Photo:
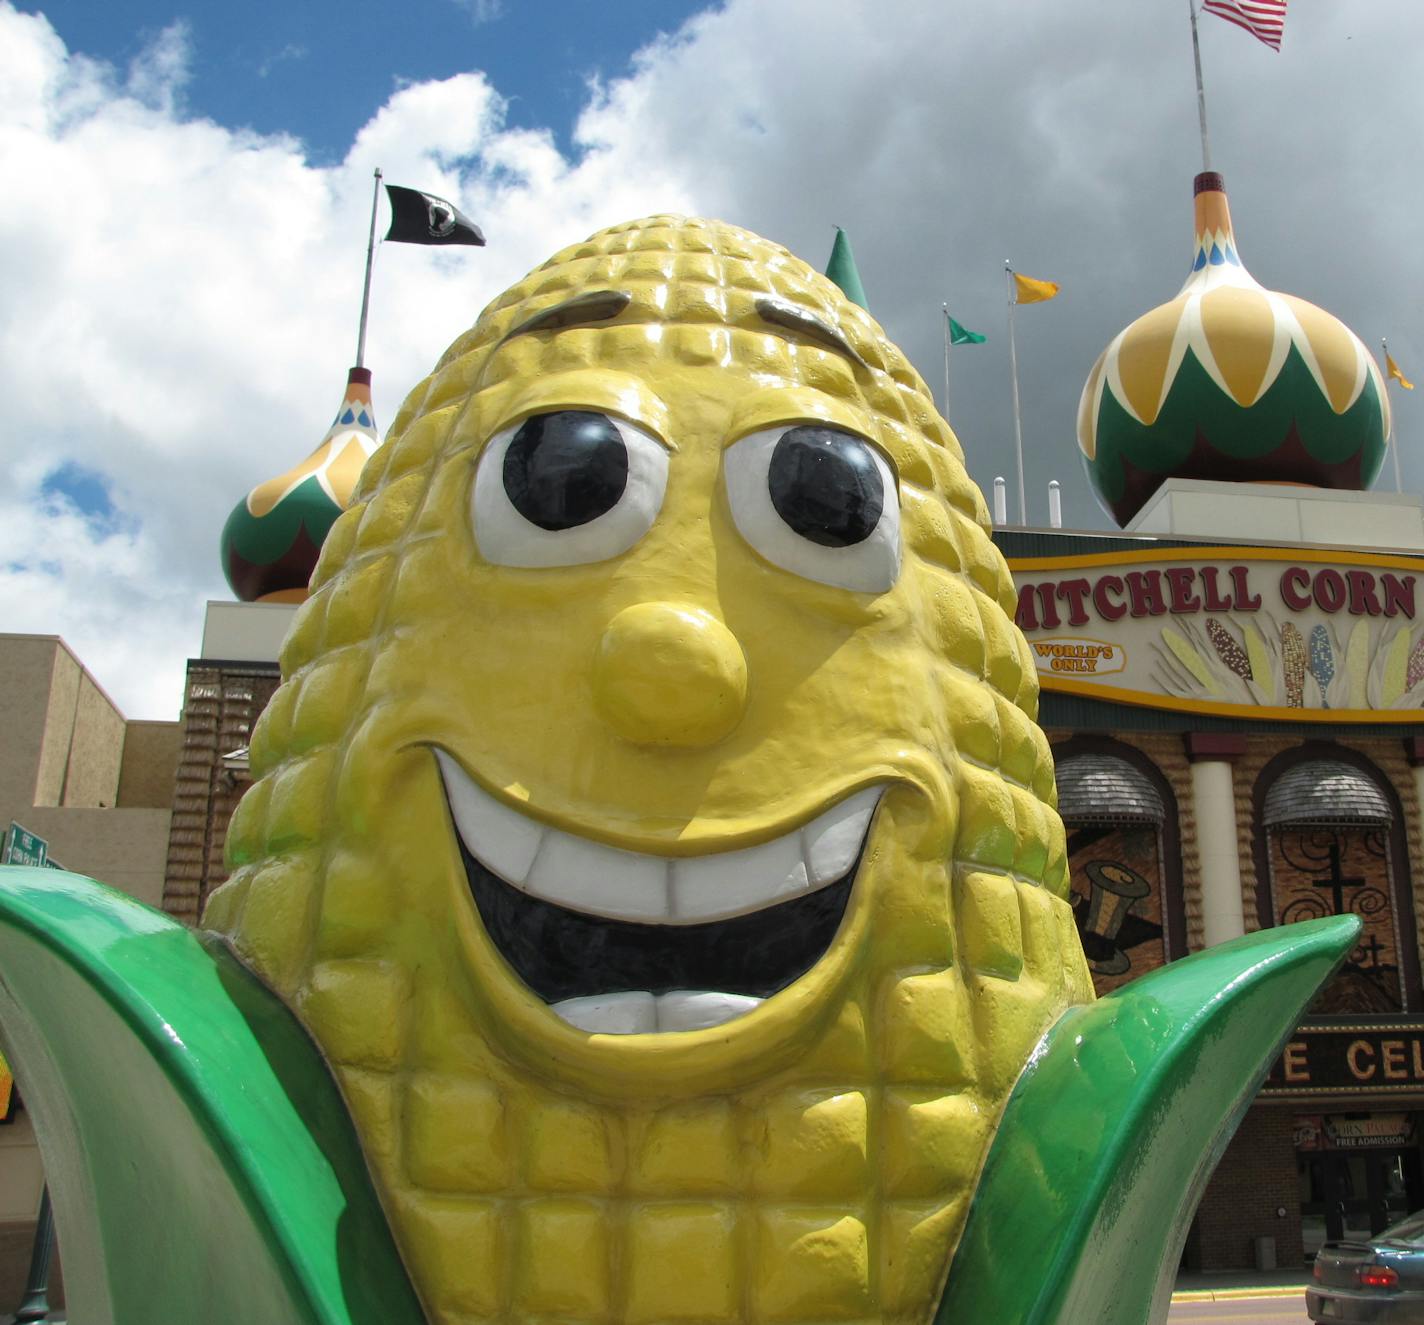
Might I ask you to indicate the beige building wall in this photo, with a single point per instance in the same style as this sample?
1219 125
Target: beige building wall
68 761
127 849
26 676
60 707
96 749
151 753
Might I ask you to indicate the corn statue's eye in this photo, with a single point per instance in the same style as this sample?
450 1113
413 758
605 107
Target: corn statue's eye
565 488
564 469
819 502
825 485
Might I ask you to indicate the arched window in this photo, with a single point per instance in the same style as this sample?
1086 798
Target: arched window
1329 833
1117 810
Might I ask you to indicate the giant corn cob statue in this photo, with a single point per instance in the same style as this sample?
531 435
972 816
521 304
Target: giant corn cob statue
654 835
652 828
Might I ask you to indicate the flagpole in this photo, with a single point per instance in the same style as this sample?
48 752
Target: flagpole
946 360
366 289
1393 434
1201 96
1014 374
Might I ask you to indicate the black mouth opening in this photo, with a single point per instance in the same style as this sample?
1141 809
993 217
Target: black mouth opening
562 954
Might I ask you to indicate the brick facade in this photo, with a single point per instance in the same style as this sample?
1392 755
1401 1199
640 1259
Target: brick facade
1255 1179
222 701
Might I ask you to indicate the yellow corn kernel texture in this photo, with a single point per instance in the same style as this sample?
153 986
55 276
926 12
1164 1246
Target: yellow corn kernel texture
832 1186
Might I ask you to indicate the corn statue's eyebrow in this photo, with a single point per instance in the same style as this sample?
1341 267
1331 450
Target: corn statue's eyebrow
592 306
602 305
783 314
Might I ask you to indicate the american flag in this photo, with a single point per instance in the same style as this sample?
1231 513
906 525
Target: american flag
1263 19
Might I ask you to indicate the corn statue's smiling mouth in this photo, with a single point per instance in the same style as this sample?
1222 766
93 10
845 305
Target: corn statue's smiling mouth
622 942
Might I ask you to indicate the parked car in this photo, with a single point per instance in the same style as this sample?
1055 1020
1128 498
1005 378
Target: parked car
1379 1282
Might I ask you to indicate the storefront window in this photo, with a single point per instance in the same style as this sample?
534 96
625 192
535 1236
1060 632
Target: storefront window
1114 817
1328 829
1359 1173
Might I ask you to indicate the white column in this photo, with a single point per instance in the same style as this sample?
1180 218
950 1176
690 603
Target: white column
1214 800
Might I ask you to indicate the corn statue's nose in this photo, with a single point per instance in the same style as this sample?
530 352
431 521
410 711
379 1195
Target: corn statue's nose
585 954
667 674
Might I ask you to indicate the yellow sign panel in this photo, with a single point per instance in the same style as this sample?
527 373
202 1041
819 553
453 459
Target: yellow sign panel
1311 636
7 1090
1067 655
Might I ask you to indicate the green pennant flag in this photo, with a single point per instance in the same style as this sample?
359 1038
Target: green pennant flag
841 269
962 335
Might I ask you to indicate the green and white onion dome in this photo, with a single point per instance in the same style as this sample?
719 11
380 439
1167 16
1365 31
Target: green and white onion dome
1230 381
273 537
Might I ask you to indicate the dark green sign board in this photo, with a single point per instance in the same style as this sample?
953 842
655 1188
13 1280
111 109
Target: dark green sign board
23 847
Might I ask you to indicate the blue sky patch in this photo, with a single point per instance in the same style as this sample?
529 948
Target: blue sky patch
321 69
87 491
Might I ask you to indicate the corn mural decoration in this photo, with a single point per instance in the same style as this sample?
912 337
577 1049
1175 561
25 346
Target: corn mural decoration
670 873
1371 666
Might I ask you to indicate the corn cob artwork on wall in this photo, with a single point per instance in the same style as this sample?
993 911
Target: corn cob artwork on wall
652 828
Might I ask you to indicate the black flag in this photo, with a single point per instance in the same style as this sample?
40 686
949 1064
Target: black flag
422 218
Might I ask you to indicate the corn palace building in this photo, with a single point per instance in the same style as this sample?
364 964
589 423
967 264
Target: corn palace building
1232 687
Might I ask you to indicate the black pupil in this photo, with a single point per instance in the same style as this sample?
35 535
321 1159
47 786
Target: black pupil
566 468
825 485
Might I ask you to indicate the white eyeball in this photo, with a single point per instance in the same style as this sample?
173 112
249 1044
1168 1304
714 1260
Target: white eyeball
819 502
565 488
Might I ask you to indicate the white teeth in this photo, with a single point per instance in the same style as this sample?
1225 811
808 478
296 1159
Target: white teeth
728 883
611 1014
503 839
833 841
587 876
695 1010
638 1012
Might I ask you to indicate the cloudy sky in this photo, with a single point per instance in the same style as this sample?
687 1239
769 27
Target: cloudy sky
187 196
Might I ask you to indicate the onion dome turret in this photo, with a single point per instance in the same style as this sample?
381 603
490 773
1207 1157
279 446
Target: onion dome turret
273 537
1230 381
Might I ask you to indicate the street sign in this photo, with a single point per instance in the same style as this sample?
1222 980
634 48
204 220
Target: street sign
23 847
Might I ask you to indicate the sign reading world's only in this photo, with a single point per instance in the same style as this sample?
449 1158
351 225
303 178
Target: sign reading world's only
1263 632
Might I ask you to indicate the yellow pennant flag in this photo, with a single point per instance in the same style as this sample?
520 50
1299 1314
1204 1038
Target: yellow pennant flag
1029 291
1392 369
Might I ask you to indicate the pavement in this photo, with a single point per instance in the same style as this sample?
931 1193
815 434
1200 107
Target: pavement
1229 1284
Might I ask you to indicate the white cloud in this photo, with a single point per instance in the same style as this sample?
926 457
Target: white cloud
180 299
292 51
159 72
482 11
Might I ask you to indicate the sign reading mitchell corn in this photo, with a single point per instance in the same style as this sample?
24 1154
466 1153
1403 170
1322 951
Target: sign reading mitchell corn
1264 632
